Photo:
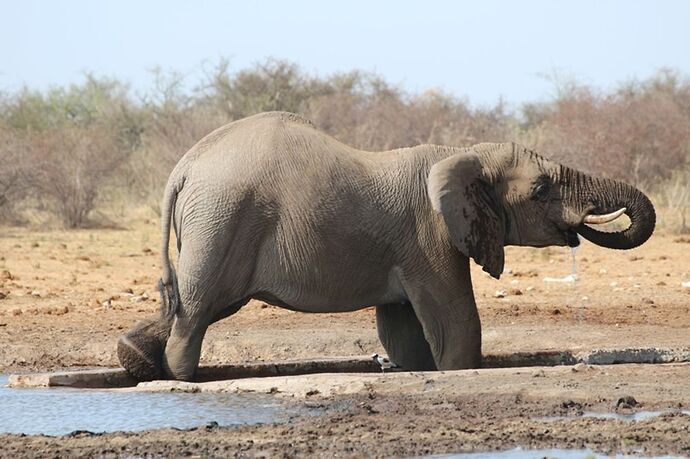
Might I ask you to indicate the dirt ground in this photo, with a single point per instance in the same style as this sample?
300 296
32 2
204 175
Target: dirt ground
65 296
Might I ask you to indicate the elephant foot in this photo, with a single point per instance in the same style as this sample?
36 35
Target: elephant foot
140 351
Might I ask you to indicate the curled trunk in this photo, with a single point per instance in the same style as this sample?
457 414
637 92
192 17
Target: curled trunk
609 196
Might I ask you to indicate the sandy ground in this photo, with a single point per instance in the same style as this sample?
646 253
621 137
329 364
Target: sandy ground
65 296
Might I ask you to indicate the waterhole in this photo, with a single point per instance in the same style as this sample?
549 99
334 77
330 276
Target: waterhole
60 411
520 453
632 416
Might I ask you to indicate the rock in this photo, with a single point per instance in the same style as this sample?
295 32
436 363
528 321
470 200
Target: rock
36 293
500 294
60 310
139 298
3 295
538 373
515 291
627 401
685 285
568 278
570 404
6 275
579 367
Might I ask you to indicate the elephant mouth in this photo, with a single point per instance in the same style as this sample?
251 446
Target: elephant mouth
572 239
572 235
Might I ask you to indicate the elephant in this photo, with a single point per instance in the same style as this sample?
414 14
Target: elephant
270 208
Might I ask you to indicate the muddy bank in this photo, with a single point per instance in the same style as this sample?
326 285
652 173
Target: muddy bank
408 414
373 425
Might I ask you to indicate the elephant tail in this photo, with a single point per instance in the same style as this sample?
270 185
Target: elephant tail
170 296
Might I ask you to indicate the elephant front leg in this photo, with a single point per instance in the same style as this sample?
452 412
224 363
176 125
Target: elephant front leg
450 321
403 338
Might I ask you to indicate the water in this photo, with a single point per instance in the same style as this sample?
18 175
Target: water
573 252
636 416
579 298
59 411
519 453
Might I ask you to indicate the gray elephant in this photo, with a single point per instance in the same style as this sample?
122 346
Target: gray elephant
270 208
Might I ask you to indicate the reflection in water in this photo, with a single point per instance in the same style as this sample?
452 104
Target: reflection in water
59 411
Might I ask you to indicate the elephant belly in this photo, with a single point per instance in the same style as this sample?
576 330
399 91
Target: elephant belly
329 290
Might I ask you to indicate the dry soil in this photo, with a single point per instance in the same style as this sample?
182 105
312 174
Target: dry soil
65 296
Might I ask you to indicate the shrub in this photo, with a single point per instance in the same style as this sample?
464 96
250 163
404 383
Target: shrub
640 133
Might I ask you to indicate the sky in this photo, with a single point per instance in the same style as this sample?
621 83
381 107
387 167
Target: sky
482 50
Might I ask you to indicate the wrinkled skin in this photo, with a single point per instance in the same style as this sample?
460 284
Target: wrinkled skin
270 208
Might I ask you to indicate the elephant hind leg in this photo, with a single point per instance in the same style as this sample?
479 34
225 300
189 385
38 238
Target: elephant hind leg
403 338
183 349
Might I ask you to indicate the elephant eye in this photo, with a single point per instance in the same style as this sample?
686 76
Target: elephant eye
541 190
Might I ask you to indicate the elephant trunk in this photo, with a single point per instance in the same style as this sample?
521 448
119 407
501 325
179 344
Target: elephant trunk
609 196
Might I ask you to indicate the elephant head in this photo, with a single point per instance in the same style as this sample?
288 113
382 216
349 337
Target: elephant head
141 350
503 194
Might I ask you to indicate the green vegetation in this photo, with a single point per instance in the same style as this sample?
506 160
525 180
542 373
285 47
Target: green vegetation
72 152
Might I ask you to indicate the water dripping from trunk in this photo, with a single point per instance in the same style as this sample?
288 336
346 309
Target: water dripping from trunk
579 299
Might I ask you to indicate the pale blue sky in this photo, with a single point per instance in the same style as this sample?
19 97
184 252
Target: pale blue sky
479 49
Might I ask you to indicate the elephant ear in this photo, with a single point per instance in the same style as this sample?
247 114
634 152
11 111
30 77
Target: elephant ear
467 201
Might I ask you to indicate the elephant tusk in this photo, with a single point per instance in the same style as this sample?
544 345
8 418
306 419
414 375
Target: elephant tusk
599 219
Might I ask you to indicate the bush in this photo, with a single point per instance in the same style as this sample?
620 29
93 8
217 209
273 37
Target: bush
65 146
15 173
71 165
640 133
73 138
